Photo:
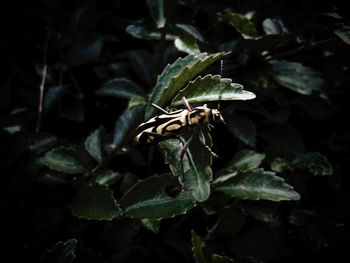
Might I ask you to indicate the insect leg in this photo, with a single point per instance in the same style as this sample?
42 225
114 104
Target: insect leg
183 151
202 140
159 108
187 105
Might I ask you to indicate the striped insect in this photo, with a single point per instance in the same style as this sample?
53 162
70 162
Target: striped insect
177 123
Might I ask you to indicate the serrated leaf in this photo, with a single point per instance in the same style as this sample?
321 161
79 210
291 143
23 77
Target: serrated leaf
196 163
242 128
297 77
314 162
61 252
127 122
279 165
258 184
64 159
156 8
191 30
95 202
187 45
120 87
174 77
242 24
94 144
148 199
197 248
212 88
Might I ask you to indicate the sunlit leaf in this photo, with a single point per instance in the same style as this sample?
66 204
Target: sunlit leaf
176 75
273 26
64 159
212 88
187 45
258 184
246 160
120 87
148 198
196 163
95 202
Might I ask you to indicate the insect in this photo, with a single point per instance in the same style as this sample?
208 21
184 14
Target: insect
175 124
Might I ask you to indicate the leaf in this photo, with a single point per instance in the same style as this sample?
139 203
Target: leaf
174 77
197 248
95 202
42 142
297 77
344 33
52 95
148 198
191 30
242 24
258 184
151 224
120 87
187 45
314 162
273 26
126 123
107 177
196 163
61 252
212 88
243 129
64 159
94 144
137 30
143 64
246 160
84 50
280 165
156 8
215 258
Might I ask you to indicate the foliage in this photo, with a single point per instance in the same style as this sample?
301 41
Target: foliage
79 77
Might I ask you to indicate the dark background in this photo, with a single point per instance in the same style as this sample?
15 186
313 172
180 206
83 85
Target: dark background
35 208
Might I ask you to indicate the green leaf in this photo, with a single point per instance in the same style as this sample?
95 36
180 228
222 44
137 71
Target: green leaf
212 88
258 184
344 33
64 159
242 24
246 160
280 165
174 77
156 8
243 129
314 162
84 50
61 252
138 30
191 30
151 224
107 177
120 87
95 202
127 123
297 77
148 198
94 144
187 45
197 248
196 163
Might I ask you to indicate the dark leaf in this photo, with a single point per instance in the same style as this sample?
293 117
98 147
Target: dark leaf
120 87
314 162
61 252
156 8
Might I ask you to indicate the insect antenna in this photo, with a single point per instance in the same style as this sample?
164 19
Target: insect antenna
220 91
